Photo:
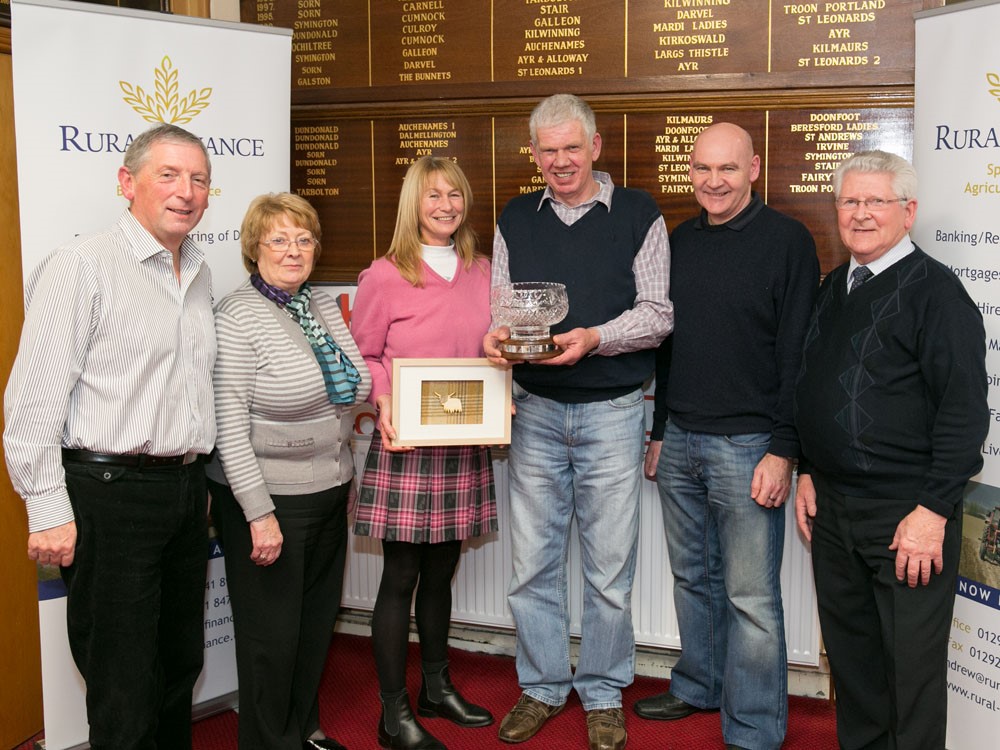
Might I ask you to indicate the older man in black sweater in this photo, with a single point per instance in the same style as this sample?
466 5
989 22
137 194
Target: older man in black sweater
891 411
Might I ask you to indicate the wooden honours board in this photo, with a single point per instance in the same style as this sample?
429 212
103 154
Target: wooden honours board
378 83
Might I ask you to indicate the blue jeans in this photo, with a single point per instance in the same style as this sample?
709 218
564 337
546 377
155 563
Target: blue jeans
725 554
582 460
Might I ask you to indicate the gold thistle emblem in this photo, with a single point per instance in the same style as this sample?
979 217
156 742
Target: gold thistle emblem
166 104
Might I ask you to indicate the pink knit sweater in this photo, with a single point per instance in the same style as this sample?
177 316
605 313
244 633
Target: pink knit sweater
391 318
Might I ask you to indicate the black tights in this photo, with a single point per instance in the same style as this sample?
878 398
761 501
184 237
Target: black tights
428 568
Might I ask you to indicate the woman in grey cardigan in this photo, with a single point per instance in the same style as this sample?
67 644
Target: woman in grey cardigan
287 376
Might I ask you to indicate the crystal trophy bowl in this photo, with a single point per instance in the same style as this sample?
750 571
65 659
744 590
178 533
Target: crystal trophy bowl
528 308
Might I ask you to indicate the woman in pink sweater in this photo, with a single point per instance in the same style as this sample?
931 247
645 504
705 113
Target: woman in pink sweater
428 297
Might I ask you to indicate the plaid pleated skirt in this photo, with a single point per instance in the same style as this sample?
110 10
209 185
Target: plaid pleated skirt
426 496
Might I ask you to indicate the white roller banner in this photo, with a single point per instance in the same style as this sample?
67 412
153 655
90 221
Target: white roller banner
956 150
87 79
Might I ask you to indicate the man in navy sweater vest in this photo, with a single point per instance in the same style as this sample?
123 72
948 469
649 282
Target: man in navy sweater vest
892 413
743 279
576 440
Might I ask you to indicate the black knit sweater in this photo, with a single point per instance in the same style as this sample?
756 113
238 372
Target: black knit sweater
742 294
891 399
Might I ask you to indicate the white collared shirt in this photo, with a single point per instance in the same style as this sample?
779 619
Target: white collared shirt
116 356
903 248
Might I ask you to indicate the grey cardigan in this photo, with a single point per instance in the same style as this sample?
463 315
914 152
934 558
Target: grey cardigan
278 433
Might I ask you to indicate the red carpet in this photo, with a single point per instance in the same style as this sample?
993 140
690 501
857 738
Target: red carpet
349 710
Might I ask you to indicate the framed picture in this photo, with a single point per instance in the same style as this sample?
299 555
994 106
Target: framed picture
450 402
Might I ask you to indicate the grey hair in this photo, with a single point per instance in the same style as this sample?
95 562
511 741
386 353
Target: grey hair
138 150
561 108
904 176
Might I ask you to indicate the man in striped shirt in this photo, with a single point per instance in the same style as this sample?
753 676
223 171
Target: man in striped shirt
108 407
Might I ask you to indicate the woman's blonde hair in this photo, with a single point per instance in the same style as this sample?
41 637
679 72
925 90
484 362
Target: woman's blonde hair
404 251
261 215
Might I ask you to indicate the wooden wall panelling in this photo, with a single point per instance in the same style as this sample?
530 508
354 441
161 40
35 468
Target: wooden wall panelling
646 147
805 148
356 51
20 659
398 79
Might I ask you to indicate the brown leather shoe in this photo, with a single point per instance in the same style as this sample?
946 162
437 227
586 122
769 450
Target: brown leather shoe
606 729
526 718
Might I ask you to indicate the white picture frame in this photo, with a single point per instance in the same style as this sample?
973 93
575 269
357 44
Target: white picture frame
450 401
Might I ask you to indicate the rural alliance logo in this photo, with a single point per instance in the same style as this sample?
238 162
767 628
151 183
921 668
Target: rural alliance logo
165 104
985 136
994 81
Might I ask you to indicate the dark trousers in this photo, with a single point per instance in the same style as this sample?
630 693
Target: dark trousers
283 614
887 643
136 600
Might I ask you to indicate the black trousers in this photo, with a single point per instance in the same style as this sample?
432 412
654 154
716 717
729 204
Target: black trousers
283 614
887 643
135 605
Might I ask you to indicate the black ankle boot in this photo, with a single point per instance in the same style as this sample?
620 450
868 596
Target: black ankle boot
399 729
438 697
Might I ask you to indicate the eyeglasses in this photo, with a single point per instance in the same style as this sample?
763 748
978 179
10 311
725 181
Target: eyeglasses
871 204
283 244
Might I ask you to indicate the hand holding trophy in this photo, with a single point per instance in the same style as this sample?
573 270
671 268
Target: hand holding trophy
528 308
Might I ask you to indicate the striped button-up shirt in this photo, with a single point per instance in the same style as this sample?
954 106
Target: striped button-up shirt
116 356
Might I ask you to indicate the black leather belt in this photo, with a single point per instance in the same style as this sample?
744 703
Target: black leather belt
133 460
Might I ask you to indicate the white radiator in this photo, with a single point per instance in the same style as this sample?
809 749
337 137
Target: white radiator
480 585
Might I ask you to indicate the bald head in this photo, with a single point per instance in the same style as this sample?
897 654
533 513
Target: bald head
725 134
723 167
